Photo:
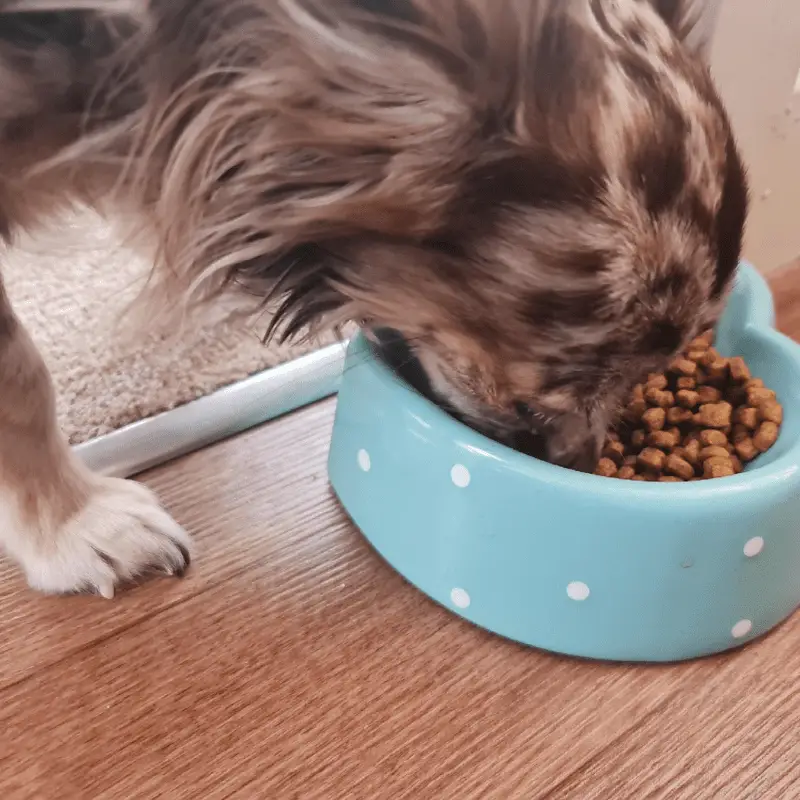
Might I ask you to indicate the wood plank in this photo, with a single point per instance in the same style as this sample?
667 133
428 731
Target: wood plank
729 732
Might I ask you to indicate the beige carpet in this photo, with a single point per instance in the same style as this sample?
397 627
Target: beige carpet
71 286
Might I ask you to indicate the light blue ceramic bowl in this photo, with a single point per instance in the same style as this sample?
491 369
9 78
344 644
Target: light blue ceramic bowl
575 563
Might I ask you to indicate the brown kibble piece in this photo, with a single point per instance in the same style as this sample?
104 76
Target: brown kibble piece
676 465
626 473
698 344
637 439
692 450
757 396
714 415
709 394
771 411
669 479
656 381
636 408
754 383
765 436
630 460
747 416
710 355
687 398
737 464
738 433
606 467
685 382
684 367
638 478
717 468
713 438
651 458
714 451
654 419
614 451
658 397
739 371
663 440
746 450
717 371
679 416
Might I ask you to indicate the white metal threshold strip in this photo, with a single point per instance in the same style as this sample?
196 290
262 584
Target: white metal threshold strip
217 416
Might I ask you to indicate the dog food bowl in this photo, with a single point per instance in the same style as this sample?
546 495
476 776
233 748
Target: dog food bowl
574 563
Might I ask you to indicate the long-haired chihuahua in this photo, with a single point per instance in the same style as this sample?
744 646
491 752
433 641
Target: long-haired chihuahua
543 198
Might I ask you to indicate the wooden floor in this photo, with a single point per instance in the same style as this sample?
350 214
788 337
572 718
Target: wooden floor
292 663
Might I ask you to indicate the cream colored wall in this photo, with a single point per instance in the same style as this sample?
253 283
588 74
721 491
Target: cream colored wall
756 61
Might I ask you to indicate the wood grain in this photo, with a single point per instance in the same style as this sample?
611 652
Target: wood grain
293 663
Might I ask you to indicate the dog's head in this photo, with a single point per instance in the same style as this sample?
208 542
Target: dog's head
544 198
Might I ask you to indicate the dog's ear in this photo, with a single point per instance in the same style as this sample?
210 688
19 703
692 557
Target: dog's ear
693 21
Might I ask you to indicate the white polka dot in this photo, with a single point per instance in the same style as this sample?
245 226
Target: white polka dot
364 461
460 476
577 590
753 546
741 628
460 598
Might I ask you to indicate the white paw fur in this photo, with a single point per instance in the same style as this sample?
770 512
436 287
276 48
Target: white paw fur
120 533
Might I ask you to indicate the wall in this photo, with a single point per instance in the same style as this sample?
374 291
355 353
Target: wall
756 61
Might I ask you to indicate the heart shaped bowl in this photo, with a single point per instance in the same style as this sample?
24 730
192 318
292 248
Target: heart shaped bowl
574 563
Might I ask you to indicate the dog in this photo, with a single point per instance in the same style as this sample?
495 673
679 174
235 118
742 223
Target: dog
543 198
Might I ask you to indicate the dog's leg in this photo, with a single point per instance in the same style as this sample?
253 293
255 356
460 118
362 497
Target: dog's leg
69 530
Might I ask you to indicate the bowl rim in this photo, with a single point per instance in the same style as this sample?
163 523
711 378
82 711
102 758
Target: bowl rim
759 317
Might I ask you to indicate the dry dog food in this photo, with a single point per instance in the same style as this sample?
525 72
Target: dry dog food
705 417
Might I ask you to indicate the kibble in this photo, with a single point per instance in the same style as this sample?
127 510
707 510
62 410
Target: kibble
765 436
652 459
704 418
747 416
714 415
679 467
654 419
712 438
709 394
687 398
771 411
679 416
663 440
738 370
714 451
606 467
660 398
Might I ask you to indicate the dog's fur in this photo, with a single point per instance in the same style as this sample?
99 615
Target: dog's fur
543 197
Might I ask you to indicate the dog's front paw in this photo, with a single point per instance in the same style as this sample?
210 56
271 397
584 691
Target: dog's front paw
121 533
